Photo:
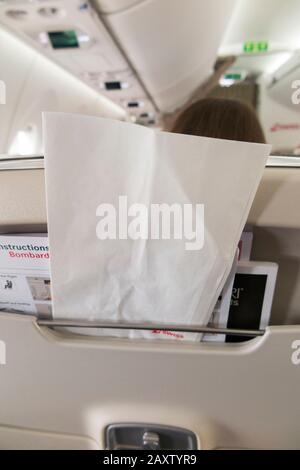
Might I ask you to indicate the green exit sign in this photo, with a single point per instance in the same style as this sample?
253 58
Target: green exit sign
233 76
252 46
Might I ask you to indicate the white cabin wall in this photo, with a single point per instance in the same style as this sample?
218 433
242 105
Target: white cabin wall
15 64
35 84
272 113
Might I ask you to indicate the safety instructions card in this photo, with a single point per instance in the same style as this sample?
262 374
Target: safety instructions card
25 274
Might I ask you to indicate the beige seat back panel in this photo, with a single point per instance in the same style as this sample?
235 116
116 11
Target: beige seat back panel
275 205
240 396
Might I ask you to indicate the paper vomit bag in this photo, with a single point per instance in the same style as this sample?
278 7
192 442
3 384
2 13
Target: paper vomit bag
102 176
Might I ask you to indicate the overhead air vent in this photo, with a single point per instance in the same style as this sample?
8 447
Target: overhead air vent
17 14
50 12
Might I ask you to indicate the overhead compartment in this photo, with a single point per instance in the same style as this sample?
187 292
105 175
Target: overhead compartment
172 44
114 6
285 83
279 106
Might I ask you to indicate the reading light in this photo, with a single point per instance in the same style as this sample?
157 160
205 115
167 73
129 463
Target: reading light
83 38
43 38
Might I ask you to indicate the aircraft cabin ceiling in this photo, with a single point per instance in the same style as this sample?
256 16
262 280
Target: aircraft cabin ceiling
146 55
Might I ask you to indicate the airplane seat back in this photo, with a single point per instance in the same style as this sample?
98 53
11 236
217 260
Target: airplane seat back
62 390
276 225
274 218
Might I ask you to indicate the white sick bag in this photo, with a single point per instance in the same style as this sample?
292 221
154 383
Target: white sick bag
93 164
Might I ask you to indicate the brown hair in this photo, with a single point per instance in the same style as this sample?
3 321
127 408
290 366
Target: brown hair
220 118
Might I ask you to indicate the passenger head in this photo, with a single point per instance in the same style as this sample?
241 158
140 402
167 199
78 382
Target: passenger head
220 118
